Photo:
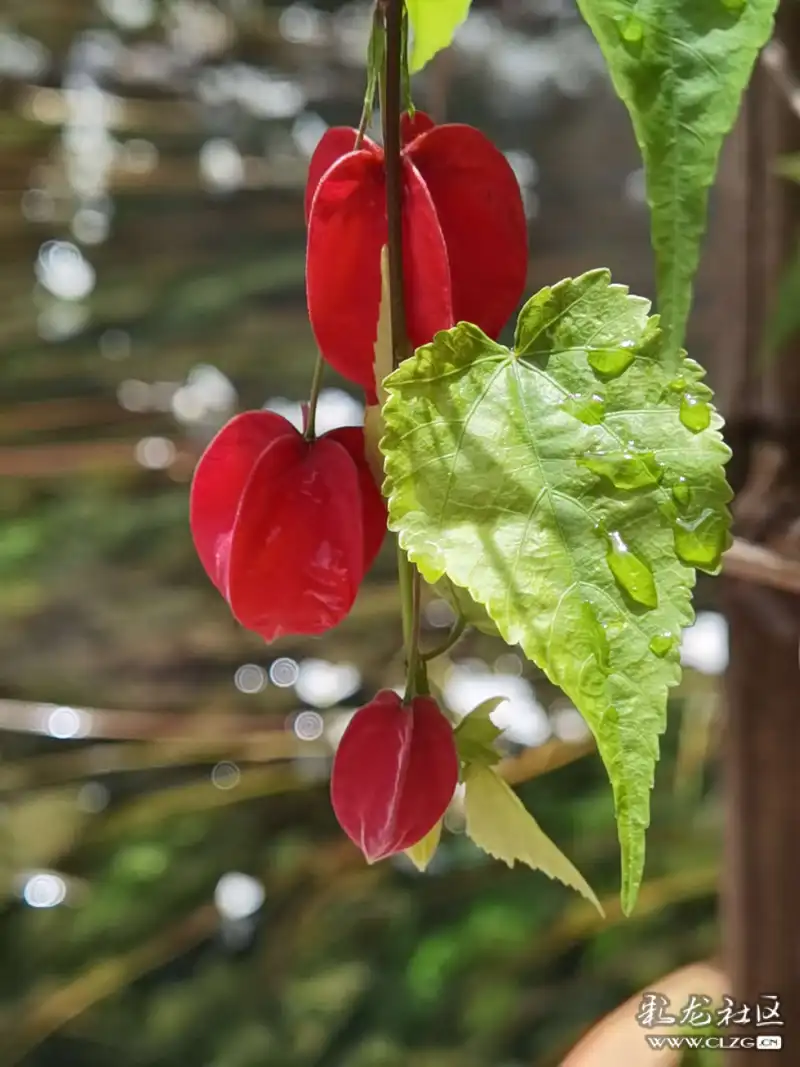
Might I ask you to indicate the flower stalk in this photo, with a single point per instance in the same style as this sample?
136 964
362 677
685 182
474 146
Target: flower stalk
391 108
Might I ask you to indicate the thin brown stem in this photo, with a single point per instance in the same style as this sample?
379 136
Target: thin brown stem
391 107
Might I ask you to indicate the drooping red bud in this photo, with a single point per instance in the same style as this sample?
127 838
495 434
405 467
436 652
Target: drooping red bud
465 247
346 231
285 528
479 207
394 774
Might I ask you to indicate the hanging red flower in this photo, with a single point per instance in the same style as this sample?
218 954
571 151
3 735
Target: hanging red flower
286 528
465 250
394 774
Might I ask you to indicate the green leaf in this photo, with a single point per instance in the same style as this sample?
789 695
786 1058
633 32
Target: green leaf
680 67
499 823
476 734
434 23
570 486
423 852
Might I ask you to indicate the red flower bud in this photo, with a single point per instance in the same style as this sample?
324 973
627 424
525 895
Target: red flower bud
465 250
286 528
394 774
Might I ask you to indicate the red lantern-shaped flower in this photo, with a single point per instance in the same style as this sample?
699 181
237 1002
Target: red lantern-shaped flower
394 774
465 251
284 527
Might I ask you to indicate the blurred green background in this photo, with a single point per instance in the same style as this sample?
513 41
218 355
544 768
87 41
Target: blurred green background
173 887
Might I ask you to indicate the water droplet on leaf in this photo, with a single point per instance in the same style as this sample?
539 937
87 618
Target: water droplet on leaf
700 542
681 492
662 644
611 362
695 413
734 5
631 573
589 409
625 470
596 634
677 385
632 30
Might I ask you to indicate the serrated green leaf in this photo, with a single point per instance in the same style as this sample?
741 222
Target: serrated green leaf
434 22
423 852
680 67
499 823
568 485
476 734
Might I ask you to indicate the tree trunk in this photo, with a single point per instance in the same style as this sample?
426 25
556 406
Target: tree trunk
761 894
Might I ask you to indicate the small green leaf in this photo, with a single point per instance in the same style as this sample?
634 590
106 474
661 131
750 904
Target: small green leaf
476 734
680 67
499 823
434 22
588 567
423 852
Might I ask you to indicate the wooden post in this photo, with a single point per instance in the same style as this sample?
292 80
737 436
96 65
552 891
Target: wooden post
761 892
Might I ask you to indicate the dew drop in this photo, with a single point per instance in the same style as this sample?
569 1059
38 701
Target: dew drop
695 413
590 409
625 470
598 639
611 362
677 385
700 541
734 5
631 573
662 644
681 492
632 30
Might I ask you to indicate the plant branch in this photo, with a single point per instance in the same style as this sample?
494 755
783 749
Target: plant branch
456 632
375 56
390 117
391 107
311 411
761 565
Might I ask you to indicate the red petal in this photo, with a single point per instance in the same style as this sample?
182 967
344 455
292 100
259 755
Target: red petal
479 205
432 773
297 554
394 774
373 506
219 481
346 231
336 142
425 264
412 126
